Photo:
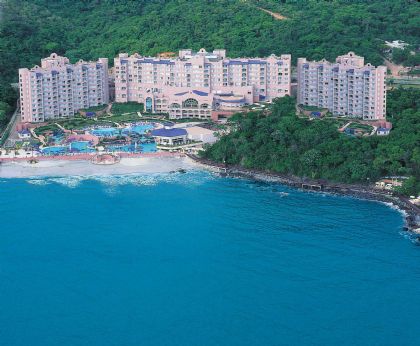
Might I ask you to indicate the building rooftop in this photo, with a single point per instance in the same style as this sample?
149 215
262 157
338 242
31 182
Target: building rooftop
169 132
197 130
187 55
349 60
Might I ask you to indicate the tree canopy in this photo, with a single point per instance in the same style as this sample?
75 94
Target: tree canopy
89 29
284 143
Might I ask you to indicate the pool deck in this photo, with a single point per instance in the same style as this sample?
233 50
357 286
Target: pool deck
86 156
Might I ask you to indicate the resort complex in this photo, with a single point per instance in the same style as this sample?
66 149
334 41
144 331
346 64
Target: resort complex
173 104
195 84
201 85
59 89
347 87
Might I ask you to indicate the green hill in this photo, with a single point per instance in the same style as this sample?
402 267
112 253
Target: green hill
88 29
283 143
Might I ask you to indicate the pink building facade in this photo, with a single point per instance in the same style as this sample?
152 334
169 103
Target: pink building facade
58 89
347 87
195 83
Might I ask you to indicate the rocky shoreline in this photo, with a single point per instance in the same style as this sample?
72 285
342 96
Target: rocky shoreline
411 212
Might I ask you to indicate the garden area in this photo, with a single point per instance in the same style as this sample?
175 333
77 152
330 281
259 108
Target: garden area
310 108
358 129
75 123
337 122
128 107
121 113
312 111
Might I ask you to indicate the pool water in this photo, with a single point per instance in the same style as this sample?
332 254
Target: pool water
139 129
77 146
55 150
105 132
126 148
58 138
81 146
131 148
86 147
148 147
113 131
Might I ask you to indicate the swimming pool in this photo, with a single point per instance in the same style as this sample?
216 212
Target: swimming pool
81 146
131 148
148 147
126 148
105 132
77 146
58 139
140 129
55 150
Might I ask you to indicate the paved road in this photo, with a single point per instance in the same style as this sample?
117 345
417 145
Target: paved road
13 136
10 130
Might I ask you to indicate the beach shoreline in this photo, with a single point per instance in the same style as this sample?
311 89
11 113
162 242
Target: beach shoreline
61 166
82 167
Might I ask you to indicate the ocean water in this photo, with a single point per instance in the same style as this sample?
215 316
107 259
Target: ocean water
195 259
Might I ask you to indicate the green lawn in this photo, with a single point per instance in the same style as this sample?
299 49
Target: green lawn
129 107
68 124
40 130
363 127
124 118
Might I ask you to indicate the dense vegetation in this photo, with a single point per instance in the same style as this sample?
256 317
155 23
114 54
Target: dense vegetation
128 107
405 57
283 143
88 29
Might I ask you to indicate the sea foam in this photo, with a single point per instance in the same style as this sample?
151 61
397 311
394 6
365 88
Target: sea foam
189 179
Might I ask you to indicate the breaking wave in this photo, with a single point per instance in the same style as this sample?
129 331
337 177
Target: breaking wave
188 179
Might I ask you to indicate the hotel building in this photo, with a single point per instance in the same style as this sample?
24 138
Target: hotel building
59 89
196 83
347 87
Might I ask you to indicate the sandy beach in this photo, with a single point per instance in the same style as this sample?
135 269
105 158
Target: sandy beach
55 168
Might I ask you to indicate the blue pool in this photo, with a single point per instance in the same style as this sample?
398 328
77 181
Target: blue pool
113 131
126 148
105 132
131 148
58 138
77 146
81 146
139 129
55 150
148 147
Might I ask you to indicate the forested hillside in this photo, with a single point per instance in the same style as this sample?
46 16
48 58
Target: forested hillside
88 29
283 143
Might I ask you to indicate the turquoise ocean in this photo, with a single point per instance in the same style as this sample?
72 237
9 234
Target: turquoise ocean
196 259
